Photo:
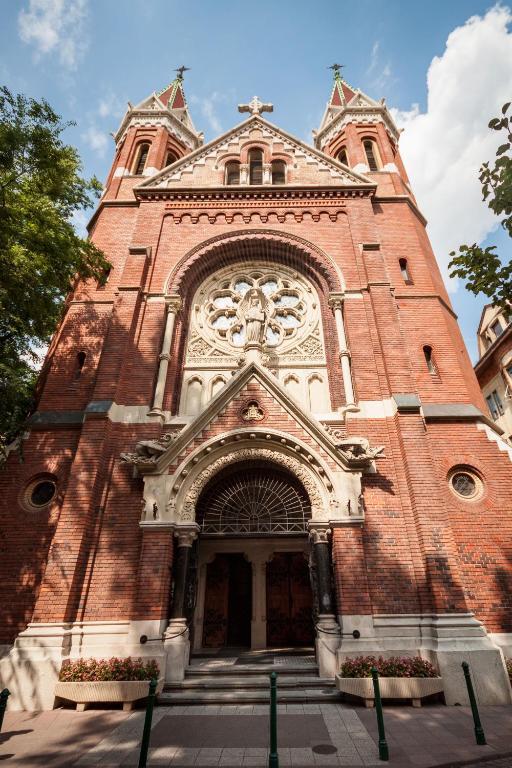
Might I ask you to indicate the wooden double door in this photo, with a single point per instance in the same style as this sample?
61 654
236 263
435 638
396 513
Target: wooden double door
285 588
289 601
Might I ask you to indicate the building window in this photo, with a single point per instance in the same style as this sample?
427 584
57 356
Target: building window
404 270
256 166
278 172
495 405
232 173
79 364
39 493
465 483
497 328
372 155
342 156
104 277
142 156
171 158
429 359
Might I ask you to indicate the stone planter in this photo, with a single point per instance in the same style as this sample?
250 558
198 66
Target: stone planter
414 688
127 691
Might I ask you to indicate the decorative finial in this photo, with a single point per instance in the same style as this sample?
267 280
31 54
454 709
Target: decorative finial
336 68
181 70
255 107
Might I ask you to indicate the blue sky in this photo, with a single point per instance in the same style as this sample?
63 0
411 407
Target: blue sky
89 57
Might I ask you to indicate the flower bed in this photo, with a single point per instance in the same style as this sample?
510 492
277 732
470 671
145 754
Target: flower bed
108 680
399 678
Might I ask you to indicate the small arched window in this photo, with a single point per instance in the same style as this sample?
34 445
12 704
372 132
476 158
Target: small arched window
142 156
171 158
372 154
429 359
278 172
79 364
342 156
404 269
232 173
256 166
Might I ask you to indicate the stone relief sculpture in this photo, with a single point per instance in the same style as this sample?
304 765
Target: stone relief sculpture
254 311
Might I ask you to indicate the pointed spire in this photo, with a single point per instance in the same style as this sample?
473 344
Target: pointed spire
341 93
173 95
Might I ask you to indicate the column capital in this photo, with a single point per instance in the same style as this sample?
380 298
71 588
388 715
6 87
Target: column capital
336 300
186 534
319 532
173 301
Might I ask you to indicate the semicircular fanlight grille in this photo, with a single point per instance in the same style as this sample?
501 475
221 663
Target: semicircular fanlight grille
254 502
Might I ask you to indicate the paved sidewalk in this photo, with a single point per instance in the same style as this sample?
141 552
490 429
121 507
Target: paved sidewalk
309 735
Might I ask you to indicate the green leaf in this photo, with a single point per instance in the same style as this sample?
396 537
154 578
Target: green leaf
505 108
502 148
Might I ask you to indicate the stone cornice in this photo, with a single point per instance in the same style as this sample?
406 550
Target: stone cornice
267 194
365 113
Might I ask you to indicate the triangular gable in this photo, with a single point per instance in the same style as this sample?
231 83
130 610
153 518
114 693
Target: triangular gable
168 178
151 102
250 373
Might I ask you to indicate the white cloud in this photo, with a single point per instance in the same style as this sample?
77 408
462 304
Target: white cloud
208 109
55 26
111 106
444 147
380 73
96 139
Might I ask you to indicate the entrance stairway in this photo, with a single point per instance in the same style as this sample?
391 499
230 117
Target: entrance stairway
244 679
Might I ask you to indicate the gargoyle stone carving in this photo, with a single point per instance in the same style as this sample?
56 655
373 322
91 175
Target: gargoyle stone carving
357 451
147 452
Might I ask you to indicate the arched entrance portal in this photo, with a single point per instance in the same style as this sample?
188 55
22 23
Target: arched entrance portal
254 579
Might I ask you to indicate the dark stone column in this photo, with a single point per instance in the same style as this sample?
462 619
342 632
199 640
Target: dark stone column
318 535
176 637
328 635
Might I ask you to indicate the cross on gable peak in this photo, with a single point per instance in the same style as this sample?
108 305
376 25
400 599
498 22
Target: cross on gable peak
255 107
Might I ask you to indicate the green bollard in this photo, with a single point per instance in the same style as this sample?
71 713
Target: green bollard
383 745
3 704
273 758
146 733
479 731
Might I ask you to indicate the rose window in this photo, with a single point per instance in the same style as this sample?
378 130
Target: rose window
286 304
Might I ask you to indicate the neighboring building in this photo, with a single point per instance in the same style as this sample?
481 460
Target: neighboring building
494 368
272 377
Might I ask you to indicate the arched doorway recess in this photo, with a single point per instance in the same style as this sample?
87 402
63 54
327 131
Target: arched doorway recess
254 581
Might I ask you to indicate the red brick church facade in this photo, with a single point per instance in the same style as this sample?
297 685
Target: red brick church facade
269 396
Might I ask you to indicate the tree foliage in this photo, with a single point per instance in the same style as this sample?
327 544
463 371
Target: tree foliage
482 268
41 255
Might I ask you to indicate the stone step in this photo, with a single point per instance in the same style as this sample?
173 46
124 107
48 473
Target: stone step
237 670
293 696
252 682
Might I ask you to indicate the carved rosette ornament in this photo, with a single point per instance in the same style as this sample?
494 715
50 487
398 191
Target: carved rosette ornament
252 411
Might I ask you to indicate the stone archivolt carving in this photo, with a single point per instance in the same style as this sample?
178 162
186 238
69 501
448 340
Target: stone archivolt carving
147 452
310 484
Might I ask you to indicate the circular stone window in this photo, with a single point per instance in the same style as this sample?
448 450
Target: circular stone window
465 484
40 493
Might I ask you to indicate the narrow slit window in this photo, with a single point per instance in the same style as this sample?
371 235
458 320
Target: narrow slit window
171 158
404 269
429 359
79 365
232 173
278 172
104 277
497 328
256 166
342 156
370 149
141 159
